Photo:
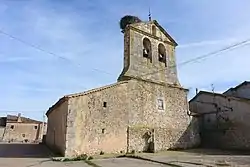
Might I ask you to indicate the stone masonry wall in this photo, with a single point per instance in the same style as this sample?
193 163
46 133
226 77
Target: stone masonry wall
2 129
166 138
173 127
56 131
138 139
21 132
92 127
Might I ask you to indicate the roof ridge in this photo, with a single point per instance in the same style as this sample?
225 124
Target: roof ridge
133 25
218 94
61 100
95 89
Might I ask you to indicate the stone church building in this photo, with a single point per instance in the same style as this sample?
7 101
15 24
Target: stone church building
146 110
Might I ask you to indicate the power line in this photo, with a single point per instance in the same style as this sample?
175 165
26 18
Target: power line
242 43
47 52
231 47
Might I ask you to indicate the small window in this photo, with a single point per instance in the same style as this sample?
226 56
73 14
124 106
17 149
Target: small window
160 104
12 126
153 30
104 104
103 131
35 127
23 135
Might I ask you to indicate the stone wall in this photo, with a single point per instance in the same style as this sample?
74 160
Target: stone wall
138 139
2 129
98 121
172 139
56 131
225 124
93 128
144 98
173 127
23 132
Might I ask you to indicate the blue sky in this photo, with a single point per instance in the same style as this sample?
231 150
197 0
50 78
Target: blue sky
87 34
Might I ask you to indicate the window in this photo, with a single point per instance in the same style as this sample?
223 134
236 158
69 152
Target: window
35 127
160 104
23 135
147 49
103 131
154 30
12 126
104 104
162 53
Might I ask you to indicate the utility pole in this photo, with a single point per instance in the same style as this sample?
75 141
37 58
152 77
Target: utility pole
42 129
212 85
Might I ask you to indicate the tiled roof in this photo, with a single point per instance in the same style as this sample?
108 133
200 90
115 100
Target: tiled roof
13 118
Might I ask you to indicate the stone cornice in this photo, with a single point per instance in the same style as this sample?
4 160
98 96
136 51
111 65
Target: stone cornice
150 35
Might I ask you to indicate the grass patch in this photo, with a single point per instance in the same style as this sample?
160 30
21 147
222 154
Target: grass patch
106 156
82 157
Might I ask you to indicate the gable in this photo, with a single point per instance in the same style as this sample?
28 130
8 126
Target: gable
161 33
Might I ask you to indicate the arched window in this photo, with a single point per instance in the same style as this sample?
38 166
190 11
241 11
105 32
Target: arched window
161 53
147 52
154 30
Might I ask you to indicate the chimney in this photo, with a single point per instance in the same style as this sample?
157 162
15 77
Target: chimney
19 117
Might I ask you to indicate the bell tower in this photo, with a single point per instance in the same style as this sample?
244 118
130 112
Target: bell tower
149 54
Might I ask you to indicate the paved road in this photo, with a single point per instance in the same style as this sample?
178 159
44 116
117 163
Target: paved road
125 162
24 151
35 155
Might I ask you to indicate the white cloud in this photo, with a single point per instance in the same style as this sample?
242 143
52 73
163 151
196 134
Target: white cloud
208 42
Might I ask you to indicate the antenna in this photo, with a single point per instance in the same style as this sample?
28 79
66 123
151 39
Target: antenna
212 85
149 15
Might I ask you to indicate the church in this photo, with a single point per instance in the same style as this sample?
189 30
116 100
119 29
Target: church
146 110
